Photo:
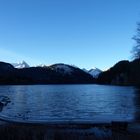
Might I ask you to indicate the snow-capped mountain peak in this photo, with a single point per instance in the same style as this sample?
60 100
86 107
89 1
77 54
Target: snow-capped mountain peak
21 65
93 72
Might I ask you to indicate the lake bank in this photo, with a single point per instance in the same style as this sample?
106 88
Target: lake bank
98 131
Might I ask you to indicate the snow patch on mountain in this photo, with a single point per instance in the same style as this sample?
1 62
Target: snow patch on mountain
41 65
62 68
93 72
21 65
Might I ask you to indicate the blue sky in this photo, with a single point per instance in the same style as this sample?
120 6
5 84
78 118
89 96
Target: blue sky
86 33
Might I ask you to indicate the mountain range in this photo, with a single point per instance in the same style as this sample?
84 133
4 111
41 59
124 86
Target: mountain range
122 73
93 72
53 74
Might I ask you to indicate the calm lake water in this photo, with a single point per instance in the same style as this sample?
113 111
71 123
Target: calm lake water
71 103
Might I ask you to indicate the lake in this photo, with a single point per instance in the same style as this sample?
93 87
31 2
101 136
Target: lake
96 103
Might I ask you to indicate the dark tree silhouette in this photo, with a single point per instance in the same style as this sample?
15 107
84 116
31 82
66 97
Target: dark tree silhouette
136 48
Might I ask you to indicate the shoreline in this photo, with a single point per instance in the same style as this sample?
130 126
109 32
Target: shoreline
69 130
61 122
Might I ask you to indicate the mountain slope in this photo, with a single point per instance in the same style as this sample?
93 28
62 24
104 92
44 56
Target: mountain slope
54 74
122 73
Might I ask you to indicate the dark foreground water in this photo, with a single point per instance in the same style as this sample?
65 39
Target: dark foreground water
96 103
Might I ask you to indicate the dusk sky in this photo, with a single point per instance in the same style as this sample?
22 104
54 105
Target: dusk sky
85 33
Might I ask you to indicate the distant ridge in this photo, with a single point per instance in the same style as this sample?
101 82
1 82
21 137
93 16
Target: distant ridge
54 74
122 73
93 72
